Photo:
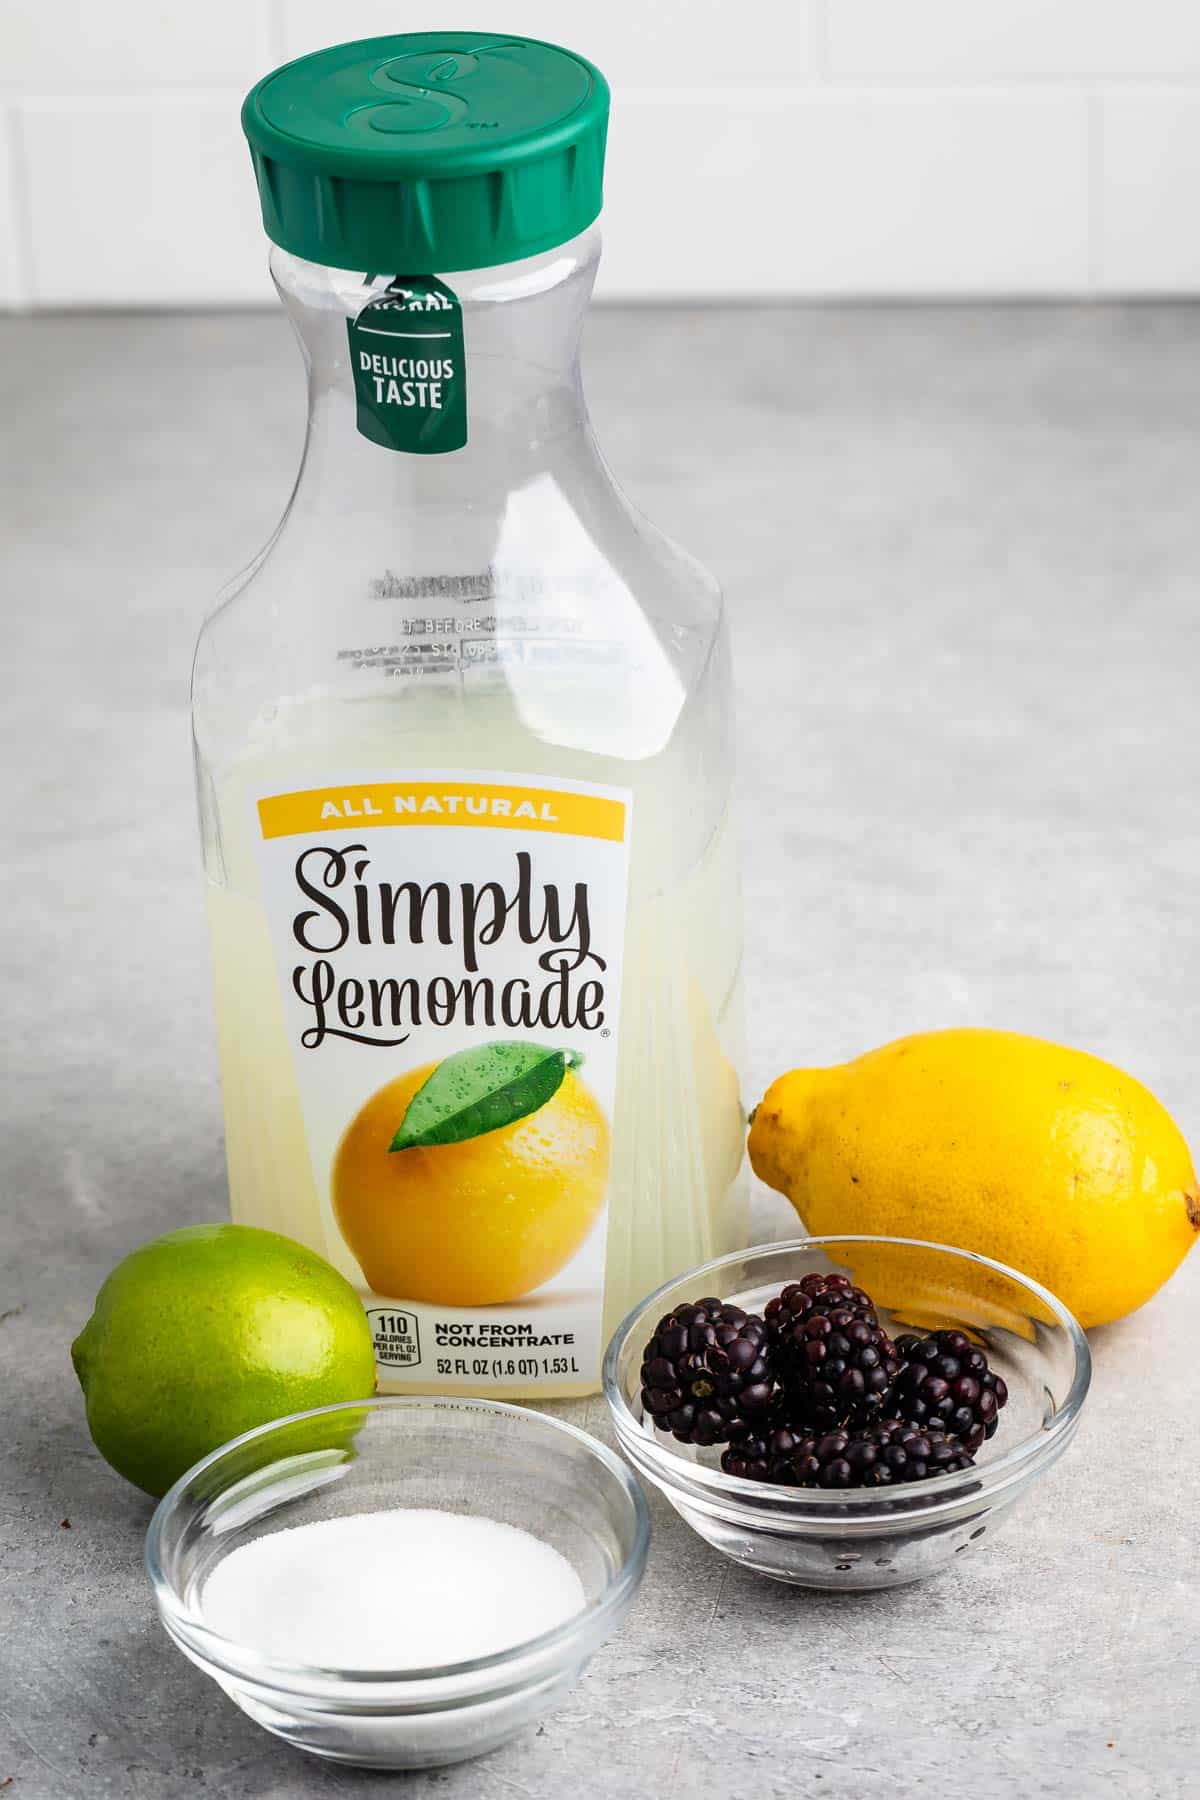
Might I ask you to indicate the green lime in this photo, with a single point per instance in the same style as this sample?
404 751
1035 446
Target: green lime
209 1331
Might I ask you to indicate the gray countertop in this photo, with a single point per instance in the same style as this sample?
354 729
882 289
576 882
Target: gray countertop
961 549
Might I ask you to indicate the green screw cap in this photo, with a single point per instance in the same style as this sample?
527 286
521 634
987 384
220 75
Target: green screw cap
432 150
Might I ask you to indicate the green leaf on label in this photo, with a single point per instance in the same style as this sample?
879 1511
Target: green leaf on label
481 1090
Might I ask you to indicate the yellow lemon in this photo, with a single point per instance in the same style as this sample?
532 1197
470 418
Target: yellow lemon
474 1223
1045 1158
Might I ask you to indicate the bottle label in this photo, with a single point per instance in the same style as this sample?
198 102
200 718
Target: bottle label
410 377
449 949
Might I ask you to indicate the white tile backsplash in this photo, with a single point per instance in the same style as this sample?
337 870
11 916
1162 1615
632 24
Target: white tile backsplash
13 272
1069 39
806 147
849 193
145 202
1150 167
71 44
637 43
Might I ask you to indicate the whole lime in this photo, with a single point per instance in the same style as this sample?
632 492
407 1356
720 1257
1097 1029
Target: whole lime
209 1331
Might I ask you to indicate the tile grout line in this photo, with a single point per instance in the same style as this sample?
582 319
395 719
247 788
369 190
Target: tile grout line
832 86
821 40
271 33
826 82
22 211
119 94
972 81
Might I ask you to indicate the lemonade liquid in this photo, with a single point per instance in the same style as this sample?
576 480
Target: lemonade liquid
464 752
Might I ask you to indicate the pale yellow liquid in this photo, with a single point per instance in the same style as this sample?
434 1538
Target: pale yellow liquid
678 1128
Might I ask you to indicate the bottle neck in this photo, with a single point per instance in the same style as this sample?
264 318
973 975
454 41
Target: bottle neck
521 327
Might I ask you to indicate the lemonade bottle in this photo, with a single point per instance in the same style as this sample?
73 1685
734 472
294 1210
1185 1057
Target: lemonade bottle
463 750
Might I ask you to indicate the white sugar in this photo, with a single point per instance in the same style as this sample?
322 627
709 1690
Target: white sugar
404 1589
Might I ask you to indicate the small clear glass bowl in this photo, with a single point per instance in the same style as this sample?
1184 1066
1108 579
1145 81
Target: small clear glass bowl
465 1456
869 1537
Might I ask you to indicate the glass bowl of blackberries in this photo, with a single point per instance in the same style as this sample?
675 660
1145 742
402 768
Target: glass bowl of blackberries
847 1413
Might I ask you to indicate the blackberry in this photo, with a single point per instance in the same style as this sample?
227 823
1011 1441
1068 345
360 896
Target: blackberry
765 1455
705 1373
834 1361
946 1384
815 1293
885 1454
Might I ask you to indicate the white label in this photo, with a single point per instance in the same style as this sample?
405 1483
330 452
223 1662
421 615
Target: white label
457 936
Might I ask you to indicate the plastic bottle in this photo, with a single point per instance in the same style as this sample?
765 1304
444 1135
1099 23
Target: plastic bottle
463 743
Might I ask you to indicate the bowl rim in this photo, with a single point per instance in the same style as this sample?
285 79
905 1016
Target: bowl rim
661 1461
186 1624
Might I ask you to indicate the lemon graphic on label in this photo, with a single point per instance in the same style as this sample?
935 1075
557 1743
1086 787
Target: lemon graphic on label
471 1181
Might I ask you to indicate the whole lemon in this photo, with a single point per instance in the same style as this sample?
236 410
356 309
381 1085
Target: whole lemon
206 1332
1045 1158
473 1223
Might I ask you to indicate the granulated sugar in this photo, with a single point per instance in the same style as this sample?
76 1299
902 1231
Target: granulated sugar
404 1589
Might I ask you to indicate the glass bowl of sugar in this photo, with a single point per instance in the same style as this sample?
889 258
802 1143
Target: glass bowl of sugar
400 1582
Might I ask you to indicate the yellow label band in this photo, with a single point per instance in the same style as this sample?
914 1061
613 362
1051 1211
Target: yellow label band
442 803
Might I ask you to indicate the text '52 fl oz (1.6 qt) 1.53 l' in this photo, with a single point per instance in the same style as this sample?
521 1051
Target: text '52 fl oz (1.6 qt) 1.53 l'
463 742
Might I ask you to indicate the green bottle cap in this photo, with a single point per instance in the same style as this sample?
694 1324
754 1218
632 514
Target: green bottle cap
433 150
